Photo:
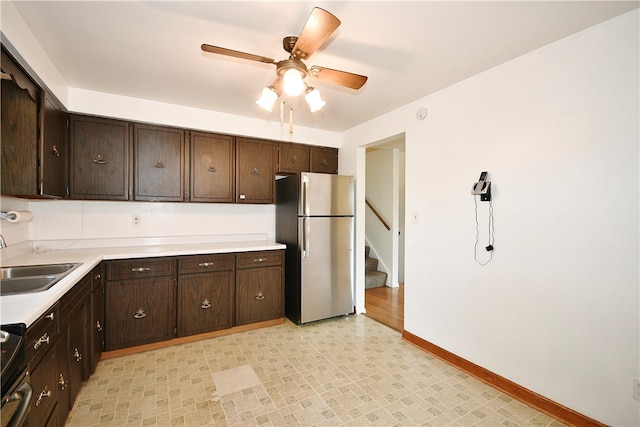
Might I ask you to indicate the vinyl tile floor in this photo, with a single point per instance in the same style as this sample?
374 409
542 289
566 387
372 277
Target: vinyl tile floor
349 371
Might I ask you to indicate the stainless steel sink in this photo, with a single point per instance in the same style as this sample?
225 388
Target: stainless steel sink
32 278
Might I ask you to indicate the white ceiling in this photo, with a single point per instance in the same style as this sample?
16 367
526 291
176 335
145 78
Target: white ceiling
151 49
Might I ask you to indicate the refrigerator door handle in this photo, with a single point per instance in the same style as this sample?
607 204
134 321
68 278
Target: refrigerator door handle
305 237
305 183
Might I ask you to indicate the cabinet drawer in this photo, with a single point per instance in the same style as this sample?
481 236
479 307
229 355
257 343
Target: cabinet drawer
140 268
258 259
205 263
41 336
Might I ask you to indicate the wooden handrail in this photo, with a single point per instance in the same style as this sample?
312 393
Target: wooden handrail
377 214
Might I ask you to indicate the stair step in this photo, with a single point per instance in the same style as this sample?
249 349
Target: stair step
370 264
367 249
375 279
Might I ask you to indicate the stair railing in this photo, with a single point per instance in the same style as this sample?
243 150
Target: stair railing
377 214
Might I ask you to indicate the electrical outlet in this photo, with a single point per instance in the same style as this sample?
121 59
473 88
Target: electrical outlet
135 220
636 388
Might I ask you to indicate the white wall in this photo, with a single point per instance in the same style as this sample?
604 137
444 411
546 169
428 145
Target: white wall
557 310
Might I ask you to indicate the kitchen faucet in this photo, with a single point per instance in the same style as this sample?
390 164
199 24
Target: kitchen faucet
3 243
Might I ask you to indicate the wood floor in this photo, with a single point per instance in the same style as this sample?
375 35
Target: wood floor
386 305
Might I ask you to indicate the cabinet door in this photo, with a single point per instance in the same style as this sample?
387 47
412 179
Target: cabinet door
45 391
159 166
19 111
259 294
54 155
205 302
99 158
96 325
324 159
255 174
212 168
293 158
77 350
139 311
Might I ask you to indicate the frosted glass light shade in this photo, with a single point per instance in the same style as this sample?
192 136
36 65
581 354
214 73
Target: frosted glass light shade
313 99
267 99
293 84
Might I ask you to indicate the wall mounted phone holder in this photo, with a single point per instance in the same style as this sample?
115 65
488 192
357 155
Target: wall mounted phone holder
482 188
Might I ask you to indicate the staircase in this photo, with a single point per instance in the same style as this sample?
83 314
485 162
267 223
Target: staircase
372 277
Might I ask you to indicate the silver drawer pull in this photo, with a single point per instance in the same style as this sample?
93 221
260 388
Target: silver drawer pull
140 314
205 304
294 159
259 296
99 160
98 326
62 382
140 269
44 339
55 151
212 169
77 355
44 393
259 259
205 264
159 164
49 316
255 172
324 162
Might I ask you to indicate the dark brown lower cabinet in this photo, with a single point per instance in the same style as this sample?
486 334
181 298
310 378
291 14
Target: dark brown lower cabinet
205 302
45 392
139 311
96 324
259 287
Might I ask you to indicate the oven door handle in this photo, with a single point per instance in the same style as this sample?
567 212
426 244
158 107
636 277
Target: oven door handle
22 394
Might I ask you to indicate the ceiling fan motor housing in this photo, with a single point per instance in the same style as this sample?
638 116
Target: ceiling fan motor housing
287 64
289 42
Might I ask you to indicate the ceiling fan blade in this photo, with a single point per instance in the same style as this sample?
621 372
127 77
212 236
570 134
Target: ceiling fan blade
236 54
342 78
318 28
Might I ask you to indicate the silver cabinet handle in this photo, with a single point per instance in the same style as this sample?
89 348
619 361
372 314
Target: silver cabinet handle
98 326
259 296
140 314
259 259
159 164
99 160
324 162
205 304
205 264
55 151
255 172
44 339
77 355
140 269
212 169
44 393
62 382
294 159
49 316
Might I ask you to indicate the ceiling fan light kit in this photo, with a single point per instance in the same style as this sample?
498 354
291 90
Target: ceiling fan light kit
291 72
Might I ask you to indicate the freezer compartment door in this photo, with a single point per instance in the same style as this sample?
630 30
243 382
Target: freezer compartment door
326 285
325 194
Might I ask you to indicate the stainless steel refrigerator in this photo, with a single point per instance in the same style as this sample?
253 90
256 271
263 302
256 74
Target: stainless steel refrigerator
314 218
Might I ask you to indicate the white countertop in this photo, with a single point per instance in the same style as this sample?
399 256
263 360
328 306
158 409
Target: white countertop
27 308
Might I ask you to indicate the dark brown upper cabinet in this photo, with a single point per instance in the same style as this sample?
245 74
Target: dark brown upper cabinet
34 137
292 158
55 153
99 158
255 171
324 159
159 163
212 176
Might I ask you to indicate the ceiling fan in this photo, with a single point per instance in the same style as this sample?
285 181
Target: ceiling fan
292 71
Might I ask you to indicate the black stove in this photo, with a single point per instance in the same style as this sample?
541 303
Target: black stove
12 359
